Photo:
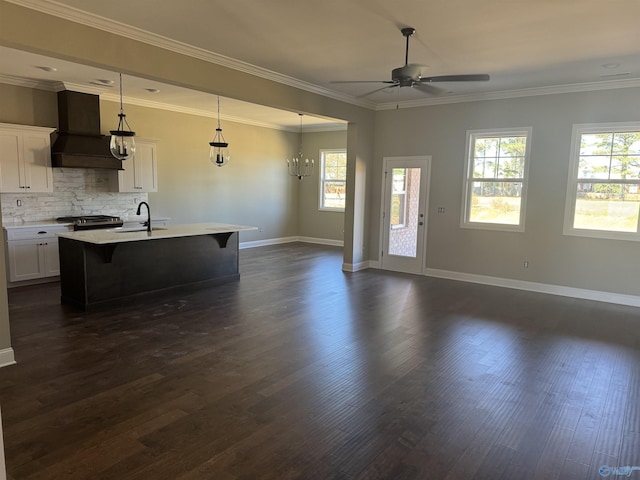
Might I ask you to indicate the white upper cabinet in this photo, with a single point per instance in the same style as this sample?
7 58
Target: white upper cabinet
140 174
25 159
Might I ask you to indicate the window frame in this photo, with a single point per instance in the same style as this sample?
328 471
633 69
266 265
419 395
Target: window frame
399 226
572 181
471 137
322 180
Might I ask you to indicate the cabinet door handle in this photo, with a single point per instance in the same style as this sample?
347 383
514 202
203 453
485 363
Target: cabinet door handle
41 232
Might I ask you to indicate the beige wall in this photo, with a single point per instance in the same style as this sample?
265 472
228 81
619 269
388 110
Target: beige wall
28 106
313 222
594 264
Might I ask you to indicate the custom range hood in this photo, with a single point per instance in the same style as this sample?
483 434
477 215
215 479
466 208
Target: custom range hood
79 143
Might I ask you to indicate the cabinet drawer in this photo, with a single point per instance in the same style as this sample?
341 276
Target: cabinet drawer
28 233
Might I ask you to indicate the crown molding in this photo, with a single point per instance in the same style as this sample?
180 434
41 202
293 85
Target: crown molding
506 94
72 14
28 83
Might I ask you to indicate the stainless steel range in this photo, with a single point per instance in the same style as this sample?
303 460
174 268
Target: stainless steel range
91 222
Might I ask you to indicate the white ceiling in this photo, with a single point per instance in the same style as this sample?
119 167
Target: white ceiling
524 45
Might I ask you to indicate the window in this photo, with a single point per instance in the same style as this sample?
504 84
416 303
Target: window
603 193
496 180
333 179
398 198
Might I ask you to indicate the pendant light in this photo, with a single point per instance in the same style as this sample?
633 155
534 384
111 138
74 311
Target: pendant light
297 167
218 153
122 144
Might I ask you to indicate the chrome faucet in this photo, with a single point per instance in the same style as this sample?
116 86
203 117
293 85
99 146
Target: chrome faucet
148 222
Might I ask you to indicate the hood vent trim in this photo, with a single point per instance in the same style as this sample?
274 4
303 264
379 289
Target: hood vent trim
79 143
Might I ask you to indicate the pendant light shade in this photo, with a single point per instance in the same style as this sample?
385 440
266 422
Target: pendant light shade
219 153
122 145
298 167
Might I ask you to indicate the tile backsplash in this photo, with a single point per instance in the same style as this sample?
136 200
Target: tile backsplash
76 191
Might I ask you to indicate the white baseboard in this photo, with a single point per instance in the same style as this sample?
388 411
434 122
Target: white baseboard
322 241
7 357
36 281
618 298
277 241
268 241
355 267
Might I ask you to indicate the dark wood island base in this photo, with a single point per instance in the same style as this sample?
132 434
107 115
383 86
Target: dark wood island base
95 276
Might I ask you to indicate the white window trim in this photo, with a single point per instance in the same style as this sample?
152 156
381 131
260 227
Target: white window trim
467 183
321 176
572 183
402 225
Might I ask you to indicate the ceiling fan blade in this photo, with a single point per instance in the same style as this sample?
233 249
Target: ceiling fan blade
377 90
476 77
362 81
430 89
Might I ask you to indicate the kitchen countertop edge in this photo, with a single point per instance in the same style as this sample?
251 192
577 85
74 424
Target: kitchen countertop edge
114 235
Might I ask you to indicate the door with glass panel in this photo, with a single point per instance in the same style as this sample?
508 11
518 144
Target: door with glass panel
406 181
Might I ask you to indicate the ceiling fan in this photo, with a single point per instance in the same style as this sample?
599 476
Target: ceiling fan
410 75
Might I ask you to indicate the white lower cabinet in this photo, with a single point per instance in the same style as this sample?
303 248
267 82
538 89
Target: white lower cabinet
32 253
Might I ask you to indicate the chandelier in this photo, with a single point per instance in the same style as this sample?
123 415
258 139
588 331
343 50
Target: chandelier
296 166
122 144
218 153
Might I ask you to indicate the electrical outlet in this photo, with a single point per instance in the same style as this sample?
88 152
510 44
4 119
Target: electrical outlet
19 202
526 264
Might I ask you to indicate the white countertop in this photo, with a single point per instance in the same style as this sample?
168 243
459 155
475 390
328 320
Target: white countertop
35 224
143 218
120 235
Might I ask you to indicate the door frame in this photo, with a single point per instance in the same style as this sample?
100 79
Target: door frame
425 160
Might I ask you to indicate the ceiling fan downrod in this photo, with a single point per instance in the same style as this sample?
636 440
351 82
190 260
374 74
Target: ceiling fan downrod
407 32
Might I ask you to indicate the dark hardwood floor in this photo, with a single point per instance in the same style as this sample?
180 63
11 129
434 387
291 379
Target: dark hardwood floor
302 371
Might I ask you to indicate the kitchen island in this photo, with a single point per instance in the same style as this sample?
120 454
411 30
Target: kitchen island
101 268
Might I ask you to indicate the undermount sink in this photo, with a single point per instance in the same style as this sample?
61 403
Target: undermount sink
136 229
